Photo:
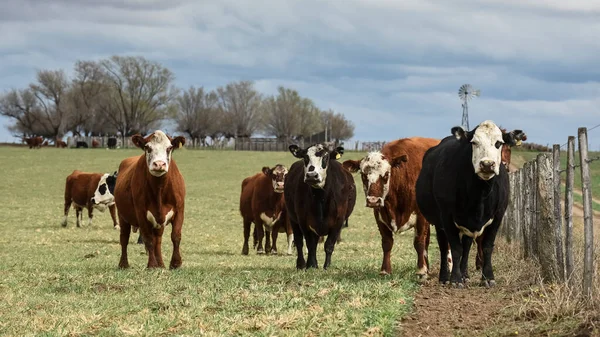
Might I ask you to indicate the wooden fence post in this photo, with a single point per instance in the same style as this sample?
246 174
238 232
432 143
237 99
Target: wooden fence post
533 209
570 181
527 239
588 221
546 224
557 213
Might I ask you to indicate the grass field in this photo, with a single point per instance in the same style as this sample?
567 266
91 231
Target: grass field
57 281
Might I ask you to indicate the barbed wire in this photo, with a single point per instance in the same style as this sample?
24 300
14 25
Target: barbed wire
589 160
590 129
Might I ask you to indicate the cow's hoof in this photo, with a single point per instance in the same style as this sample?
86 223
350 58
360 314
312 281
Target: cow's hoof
422 278
290 253
488 283
466 279
117 227
64 224
458 285
444 283
245 251
123 265
383 273
260 252
274 252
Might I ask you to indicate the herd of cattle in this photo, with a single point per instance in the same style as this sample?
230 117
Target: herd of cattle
459 185
37 143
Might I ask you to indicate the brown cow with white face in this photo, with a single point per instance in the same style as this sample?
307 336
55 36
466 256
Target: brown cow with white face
261 203
150 194
389 179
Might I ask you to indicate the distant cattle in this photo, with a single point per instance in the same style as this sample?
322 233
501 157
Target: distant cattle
45 143
34 142
112 143
319 196
95 143
150 194
90 190
389 179
513 138
59 143
81 144
463 190
262 203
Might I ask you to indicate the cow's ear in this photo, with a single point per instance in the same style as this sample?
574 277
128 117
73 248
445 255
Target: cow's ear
296 151
178 142
115 174
138 141
337 153
458 132
267 171
396 162
352 165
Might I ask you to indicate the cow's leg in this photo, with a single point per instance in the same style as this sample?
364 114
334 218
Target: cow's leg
274 234
332 238
464 260
290 240
268 239
124 239
260 233
479 257
158 233
312 239
443 246
254 238
78 214
487 277
299 240
147 233
456 248
420 243
247 225
113 214
90 210
140 240
176 238
67 207
387 243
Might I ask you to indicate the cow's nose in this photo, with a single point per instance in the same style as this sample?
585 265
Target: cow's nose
280 184
311 168
371 199
159 165
93 201
487 165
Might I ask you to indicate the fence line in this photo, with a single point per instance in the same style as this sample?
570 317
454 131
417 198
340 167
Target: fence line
533 219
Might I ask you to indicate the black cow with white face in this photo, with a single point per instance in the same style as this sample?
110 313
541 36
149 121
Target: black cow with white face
463 190
103 196
319 196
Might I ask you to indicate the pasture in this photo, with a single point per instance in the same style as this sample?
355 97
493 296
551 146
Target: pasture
57 281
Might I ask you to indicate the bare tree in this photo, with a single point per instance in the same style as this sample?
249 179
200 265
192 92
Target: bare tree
196 114
50 91
309 120
139 93
87 90
341 128
21 106
281 113
239 102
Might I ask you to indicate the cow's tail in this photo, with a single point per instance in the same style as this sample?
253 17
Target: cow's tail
68 200
319 200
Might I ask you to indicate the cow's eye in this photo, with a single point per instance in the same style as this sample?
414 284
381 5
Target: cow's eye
148 148
170 148
386 176
498 144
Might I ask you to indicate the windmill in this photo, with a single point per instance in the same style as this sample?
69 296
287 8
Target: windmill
466 93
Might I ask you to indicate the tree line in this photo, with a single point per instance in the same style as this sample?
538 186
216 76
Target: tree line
125 95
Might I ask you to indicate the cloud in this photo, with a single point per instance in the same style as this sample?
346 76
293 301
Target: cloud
393 67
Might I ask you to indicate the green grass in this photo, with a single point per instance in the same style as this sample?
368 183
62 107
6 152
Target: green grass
57 281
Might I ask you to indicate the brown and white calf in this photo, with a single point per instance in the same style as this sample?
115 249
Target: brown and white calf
90 190
150 194
261 203
389 179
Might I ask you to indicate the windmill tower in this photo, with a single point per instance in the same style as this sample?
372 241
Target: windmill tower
466 93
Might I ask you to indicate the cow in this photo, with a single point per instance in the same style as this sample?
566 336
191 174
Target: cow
34 142
463 190
95 143
112 143
389 177
45 143
261 203
319 197
81 144
59 143
514 138
91 191
150 194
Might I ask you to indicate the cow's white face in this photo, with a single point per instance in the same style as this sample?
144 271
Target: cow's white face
316 161
277 175
158 147
486 141
103 196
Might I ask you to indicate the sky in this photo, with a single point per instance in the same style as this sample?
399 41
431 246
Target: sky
391 67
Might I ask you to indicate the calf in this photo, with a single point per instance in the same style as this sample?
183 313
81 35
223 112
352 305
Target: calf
463 190
112 143
389 179
150 194
95 143
261 203
90 190
59 143
34 142
319 197
81 144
